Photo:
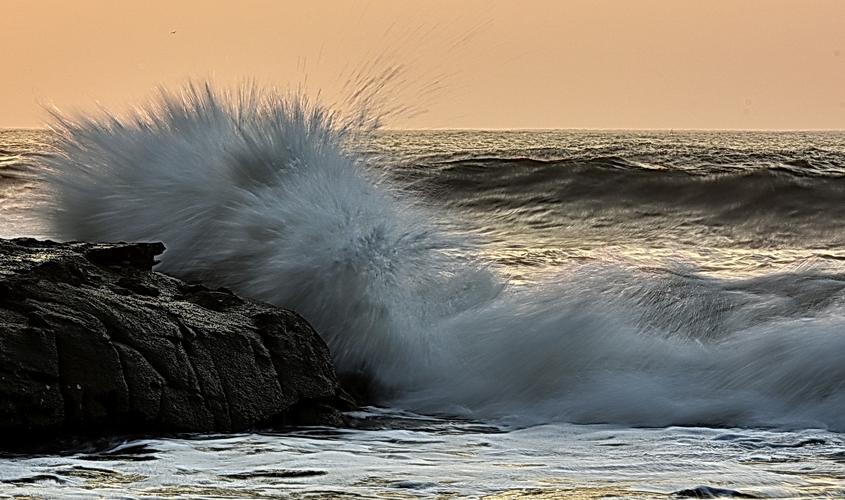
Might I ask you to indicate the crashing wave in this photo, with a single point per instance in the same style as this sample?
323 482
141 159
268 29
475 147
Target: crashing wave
259 193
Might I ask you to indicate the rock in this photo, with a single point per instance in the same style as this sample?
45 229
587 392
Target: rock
711 492
92 342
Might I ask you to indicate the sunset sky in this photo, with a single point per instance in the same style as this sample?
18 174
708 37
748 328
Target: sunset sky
754 64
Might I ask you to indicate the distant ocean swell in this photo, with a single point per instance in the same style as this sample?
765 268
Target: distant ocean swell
263 196
727 192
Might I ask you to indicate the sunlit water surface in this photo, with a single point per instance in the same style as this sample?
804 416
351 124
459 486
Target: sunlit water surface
418 456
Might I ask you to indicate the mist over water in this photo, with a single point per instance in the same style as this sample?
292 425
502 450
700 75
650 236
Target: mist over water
509 278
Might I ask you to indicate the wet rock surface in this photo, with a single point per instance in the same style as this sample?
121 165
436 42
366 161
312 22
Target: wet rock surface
92 342
711 492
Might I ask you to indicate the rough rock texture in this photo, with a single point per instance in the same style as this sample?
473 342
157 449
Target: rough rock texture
93 342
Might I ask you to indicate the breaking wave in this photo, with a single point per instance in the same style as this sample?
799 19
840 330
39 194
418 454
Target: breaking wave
259 193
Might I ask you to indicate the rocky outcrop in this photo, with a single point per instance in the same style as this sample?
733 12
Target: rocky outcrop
93 342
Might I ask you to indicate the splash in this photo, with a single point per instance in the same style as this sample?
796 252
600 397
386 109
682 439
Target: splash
259 193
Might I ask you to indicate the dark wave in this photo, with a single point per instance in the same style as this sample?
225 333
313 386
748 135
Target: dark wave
730 191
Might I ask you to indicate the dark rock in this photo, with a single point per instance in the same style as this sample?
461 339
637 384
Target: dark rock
711 492
93 342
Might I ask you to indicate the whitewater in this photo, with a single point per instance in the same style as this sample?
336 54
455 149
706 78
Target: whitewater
595 313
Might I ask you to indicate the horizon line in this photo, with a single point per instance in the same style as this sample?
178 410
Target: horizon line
606 129
550 129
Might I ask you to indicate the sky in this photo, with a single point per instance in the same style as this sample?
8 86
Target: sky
637 64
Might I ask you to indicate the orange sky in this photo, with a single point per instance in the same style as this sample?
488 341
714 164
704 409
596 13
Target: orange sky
769 64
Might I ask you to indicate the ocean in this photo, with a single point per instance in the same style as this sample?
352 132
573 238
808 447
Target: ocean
580 314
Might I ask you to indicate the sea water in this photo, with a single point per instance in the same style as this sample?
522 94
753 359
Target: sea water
584 313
